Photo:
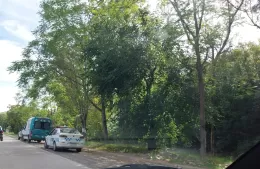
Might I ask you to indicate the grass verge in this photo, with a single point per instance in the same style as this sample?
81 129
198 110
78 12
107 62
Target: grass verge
110 147
173 155
11 134
192 158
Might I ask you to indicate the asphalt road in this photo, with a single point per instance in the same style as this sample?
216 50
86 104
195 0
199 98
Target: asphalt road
15 154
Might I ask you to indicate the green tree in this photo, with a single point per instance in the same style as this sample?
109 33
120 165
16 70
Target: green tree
236 99
56 55
115 50
206 39
17 115
3 120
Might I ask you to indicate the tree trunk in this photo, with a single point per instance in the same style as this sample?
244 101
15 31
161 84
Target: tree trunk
199 67
212 123
84 127
83 117
151 142
104 118
212 140
202 112
202 101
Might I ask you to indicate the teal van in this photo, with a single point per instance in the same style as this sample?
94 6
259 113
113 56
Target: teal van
36 129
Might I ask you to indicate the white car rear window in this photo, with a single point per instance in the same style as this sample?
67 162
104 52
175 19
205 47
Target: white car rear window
69 130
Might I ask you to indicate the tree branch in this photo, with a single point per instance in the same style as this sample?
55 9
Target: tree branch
206 57
96 106
75 82
67 77
252 20
195 18
202 13
186 27
231 19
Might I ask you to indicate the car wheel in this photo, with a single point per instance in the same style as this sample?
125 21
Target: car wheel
79 149
54 146
19 137
38 141
46 145
2 139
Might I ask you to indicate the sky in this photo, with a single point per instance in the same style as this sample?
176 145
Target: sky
18 18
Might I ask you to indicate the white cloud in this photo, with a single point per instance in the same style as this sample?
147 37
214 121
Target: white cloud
23 10
9 52
17 29
28 4
18 18
7 97
247 33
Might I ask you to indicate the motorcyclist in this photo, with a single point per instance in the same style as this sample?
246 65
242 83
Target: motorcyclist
1 133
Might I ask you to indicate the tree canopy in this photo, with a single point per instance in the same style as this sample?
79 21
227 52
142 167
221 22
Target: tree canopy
115 70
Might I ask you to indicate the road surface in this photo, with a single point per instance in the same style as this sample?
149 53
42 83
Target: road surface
15 154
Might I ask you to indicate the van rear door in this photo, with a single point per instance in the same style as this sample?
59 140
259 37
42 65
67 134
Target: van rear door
41 127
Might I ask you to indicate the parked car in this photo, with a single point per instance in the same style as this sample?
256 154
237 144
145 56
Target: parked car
20 132
64 138
1 133
37 128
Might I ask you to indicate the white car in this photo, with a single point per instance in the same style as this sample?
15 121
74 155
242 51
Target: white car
20 133
64 138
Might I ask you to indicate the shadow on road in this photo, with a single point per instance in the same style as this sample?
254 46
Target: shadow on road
60 150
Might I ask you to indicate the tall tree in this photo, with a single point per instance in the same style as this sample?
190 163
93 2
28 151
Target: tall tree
236 99
207 38
118 49
56 55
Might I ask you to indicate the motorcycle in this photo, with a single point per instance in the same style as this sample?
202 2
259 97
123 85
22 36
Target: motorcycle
1 135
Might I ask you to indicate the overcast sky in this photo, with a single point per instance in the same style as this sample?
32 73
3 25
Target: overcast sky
17 19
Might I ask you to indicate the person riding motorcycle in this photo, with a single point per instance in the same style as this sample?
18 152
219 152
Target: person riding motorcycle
1 133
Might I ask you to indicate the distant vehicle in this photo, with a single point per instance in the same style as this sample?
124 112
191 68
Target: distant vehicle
36 128
64 138
1 133
20 132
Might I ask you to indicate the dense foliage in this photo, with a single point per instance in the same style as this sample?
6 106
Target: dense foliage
114 70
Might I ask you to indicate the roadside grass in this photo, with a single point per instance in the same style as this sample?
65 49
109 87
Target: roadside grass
119 147
192 158
11 134
173 155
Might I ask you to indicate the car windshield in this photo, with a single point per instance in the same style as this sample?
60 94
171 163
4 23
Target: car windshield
171 82
42 125
69 131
